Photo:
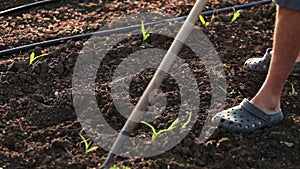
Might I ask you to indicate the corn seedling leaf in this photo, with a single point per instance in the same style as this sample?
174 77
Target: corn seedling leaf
154 133
41 55
89 144
236 14
170 128
144 32
202 19
91 149
231 93
204 23
162 131
294 92
188 121
86 144
173 125
113 167
33 57
212 17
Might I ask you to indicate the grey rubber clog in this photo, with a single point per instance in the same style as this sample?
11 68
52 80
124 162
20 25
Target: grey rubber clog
262 64
245 118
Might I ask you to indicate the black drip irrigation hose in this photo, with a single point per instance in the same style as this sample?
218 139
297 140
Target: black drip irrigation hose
27 6
127 29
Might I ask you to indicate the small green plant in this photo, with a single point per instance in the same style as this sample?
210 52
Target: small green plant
75 31
113 167
144 32
203 21
233 92
294 92
87 145
236 14
212 17
187 122
33 57
155 133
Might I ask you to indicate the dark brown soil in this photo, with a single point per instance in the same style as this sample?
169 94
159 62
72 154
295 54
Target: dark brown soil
39 126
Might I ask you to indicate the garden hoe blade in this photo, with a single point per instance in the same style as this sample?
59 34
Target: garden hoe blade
155 82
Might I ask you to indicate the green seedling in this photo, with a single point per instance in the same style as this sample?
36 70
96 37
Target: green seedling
119 167
144 32
187 122
212 17
87 145
171 127
236 14
233 92
33 57
294 92
75 31
155 133
203 21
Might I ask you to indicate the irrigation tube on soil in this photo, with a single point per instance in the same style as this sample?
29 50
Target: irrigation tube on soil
22 7
125 29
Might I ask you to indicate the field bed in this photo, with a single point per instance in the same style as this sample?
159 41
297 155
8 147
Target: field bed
39 126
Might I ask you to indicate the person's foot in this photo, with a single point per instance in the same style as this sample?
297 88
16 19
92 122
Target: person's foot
246 117
262 64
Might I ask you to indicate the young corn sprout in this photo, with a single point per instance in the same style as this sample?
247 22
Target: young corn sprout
113 167
187 122
75 31
233 92
236 14
87 145
203 21
144 32
212 17
294 92
155 133
33 57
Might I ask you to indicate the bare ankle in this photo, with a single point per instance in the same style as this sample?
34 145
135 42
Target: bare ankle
268 106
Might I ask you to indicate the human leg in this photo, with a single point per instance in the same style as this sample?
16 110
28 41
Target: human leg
286 48
264 108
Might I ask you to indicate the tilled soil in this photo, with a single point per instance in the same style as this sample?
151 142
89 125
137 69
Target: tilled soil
40 128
